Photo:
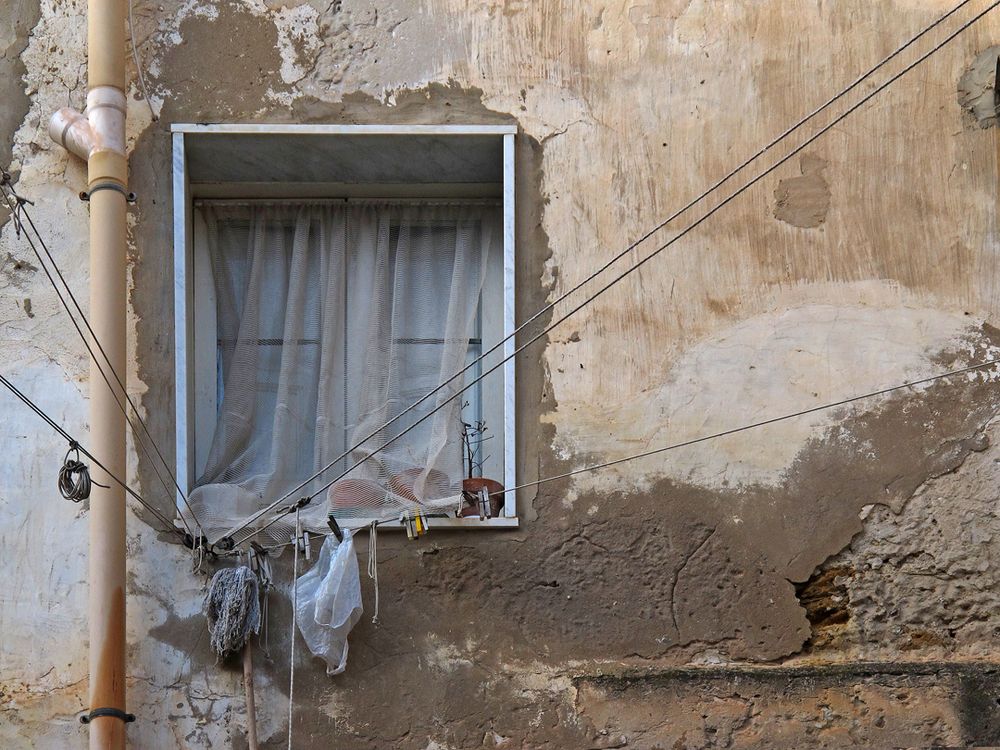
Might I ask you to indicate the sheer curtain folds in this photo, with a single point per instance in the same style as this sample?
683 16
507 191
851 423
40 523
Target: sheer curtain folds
331 319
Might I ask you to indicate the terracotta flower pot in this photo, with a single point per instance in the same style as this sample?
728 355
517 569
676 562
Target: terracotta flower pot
471 488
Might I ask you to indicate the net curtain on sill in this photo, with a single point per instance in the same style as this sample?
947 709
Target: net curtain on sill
331 320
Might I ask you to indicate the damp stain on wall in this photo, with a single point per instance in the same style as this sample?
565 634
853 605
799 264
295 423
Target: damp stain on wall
804 201
978 94
813 541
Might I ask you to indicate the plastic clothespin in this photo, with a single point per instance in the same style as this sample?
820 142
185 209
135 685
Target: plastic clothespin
331 521
405 520
484 504
300 538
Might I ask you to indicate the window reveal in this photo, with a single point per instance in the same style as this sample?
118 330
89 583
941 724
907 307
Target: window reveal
331 319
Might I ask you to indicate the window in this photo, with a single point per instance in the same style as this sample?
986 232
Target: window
327 277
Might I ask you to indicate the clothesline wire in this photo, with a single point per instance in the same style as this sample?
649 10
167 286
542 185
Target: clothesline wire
729 432
726 201
18 207
755 425
295 619
168 526
832 100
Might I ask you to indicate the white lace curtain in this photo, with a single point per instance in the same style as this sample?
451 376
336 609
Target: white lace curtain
332 318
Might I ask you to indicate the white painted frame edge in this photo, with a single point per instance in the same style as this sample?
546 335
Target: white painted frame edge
471 522
183 334
329 129
183 339
509 390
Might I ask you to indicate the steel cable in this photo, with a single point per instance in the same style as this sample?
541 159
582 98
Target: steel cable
934 24
74 480
16 205
727 433
732 196
168 526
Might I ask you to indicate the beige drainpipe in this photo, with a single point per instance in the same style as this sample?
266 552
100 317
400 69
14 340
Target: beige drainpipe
99 137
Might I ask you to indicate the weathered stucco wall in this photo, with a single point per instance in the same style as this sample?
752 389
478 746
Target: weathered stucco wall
829 580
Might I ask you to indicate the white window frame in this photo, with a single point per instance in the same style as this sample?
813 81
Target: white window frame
185 359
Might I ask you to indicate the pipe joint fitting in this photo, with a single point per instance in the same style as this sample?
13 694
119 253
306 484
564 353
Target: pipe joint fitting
101 128
106 115
71 130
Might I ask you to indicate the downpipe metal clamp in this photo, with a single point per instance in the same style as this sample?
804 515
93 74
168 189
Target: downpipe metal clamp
113 713
129 196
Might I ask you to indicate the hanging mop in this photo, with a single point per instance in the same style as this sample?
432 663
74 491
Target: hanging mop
233 608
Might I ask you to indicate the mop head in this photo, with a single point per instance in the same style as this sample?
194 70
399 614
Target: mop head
233 608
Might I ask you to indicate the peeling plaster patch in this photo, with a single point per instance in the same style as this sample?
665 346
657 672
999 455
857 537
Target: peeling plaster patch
540 679
20 18
762 367
168 31
171 24
545 109
44 355
699 26
824 597
213 81
281 98
338 708
298 36
138 118
444 657
923 580
977 88
43 602
402 46
166 597
256 7
359 47
54 64
709 657
804 201
873 705
15 270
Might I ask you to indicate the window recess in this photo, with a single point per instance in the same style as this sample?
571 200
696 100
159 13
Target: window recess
319 297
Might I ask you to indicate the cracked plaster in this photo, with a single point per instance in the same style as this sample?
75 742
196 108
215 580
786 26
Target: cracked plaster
626 109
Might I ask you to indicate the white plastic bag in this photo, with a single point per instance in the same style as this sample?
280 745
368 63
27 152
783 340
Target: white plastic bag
330 602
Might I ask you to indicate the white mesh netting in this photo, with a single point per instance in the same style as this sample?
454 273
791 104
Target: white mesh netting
331 319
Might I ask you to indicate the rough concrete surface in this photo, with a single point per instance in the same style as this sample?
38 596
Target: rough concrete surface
871 704
826 581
